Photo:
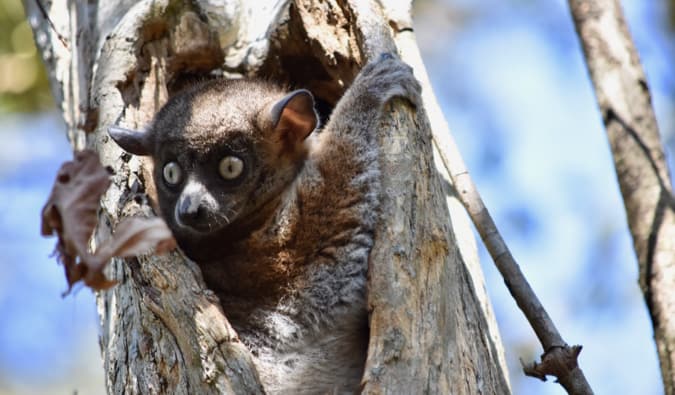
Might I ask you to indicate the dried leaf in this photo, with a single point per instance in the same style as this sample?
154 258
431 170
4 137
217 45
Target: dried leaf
135 236
70 212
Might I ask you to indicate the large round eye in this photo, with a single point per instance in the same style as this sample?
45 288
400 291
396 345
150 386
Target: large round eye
172 173
230 167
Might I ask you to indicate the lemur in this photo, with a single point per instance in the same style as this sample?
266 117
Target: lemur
279 215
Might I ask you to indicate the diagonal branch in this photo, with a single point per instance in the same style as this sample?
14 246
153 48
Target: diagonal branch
624 100
559 359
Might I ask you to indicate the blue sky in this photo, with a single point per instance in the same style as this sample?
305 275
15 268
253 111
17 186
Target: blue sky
511 80
45 341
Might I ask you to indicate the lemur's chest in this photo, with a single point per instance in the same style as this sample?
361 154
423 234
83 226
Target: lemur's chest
293 358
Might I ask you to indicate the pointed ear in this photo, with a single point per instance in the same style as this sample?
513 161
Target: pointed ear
132 141
294 116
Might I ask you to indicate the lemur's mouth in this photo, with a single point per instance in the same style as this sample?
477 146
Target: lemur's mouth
199 227
202 221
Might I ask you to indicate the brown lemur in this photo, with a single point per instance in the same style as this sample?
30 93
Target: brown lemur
280 220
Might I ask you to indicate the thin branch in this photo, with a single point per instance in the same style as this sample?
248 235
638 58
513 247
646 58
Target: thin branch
624 100
45 15
568 373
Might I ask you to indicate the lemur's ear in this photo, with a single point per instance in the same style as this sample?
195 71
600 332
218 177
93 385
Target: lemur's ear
132 141
294 117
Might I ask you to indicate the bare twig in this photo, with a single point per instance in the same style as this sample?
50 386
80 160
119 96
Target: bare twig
623 97
45 15
559 359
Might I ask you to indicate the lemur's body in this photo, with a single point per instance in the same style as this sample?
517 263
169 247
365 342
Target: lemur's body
280 222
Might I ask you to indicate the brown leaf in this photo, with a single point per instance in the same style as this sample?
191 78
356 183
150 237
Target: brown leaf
135 236
70 212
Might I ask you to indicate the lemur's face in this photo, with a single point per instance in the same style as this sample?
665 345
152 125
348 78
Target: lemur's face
222 152
203 188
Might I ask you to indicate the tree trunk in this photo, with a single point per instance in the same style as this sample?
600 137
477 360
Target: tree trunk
625 103
162 331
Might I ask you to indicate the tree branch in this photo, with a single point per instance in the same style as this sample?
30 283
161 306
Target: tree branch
624 100
415 258
570 376
398 14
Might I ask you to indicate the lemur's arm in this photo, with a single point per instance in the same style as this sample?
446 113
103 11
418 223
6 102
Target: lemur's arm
338 192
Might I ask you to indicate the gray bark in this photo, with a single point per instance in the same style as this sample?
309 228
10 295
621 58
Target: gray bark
625 104
432 329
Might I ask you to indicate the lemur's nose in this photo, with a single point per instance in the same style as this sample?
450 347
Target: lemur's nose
192 207
190 210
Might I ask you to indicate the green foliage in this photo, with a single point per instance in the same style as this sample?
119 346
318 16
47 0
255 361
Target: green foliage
23 79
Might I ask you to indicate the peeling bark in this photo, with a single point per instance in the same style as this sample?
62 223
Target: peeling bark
162 331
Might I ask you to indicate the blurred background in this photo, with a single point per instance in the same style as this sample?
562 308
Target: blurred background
511 79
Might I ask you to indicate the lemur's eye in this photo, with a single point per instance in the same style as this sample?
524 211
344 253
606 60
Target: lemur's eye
172 173
230 167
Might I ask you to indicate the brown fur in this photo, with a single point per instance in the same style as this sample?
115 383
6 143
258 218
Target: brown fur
285 246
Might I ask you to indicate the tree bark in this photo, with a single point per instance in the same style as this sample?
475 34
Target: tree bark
162 331
625 103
